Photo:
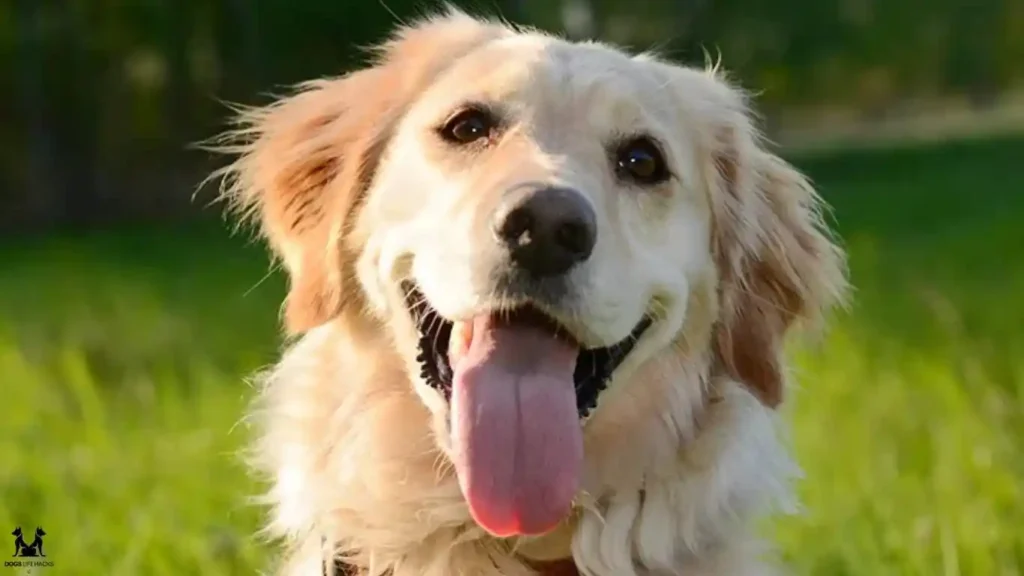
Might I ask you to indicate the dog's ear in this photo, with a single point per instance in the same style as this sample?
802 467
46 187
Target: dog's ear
777 263
305 161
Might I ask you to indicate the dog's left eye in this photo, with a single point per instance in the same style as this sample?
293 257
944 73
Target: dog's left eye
468 126
641 161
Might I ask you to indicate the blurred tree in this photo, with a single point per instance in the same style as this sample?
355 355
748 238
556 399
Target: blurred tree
40 201
238 44
972 62
109 93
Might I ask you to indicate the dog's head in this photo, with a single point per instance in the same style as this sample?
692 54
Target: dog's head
534 221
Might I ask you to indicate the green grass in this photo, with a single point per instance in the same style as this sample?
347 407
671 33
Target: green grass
122 359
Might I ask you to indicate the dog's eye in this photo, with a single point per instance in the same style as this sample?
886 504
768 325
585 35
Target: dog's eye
641 161
468 126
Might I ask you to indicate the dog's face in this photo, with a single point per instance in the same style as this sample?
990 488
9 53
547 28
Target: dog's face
542 174
539 215
532 220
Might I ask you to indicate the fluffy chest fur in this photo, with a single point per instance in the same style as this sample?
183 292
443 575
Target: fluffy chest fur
352 467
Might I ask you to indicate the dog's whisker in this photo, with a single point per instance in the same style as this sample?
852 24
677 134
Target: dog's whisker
442 466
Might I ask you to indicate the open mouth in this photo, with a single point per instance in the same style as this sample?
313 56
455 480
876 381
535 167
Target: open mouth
517 384
593 368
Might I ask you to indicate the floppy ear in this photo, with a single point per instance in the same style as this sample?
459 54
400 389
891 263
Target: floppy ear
776 261
306 160
303 164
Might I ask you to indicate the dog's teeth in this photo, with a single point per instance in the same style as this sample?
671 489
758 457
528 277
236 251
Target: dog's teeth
462 336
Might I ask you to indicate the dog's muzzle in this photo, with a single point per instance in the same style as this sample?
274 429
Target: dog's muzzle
517 380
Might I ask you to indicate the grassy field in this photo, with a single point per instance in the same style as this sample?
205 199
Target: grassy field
122 359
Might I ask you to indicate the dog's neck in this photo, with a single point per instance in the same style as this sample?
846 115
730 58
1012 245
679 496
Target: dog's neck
656 477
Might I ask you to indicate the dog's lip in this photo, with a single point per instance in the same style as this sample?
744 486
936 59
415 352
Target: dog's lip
594 370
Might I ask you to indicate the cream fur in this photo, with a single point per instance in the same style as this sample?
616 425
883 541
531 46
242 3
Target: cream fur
684 451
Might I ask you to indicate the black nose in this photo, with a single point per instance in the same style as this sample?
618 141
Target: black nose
548 231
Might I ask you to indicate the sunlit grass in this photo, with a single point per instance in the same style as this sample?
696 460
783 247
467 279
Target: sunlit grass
913 453
122 359
122 386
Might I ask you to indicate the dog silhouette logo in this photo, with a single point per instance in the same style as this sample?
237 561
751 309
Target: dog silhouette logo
24 549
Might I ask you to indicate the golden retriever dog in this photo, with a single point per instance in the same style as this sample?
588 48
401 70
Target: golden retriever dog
538 294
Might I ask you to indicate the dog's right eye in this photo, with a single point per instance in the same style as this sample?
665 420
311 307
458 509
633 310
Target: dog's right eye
468 126
641 161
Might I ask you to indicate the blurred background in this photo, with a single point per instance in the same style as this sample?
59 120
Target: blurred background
130 316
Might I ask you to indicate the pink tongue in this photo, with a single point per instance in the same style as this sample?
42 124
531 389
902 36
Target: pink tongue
517 437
